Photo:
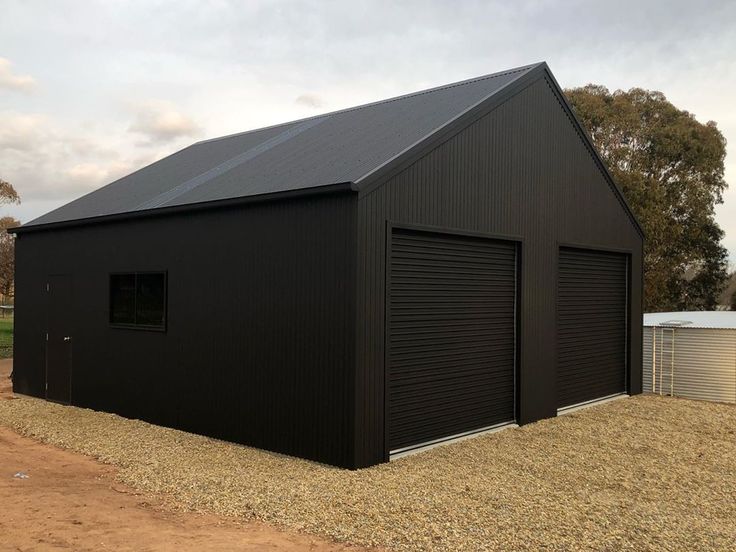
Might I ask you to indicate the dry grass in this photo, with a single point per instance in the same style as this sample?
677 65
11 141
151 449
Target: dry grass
646 473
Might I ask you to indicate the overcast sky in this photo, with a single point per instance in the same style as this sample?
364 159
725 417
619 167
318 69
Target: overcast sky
90 91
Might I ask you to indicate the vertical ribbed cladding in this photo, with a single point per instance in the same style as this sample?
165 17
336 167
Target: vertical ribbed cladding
646 359
591 325
259 347
704 362
29 347
520 171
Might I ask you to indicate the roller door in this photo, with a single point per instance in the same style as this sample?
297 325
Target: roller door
591 326
451 336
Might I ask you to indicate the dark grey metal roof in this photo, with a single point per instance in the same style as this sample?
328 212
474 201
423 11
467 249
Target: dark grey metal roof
341 147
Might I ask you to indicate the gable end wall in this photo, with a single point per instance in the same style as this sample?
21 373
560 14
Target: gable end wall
522 170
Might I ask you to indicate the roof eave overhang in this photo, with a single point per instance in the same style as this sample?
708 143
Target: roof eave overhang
188 208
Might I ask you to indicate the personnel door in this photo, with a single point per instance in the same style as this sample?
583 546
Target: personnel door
59 339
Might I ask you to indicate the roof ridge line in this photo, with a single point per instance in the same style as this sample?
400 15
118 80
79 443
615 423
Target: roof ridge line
378 102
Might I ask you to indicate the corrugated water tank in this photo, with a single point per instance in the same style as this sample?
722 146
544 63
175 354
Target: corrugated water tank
691 355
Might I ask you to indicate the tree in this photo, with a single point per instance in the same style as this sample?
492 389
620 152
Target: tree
7 241
733 301
729 293
8 193
670 169
7 256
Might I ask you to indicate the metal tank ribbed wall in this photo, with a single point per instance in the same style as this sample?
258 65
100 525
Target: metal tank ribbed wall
703 365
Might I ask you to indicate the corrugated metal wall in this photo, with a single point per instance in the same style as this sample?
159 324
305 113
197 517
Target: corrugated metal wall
521 170
259 347
704 363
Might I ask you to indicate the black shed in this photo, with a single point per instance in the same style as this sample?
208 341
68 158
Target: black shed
348 286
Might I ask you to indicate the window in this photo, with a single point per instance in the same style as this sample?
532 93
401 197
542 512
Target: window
138 300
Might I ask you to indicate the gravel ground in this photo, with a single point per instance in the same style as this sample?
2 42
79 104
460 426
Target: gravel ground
646 473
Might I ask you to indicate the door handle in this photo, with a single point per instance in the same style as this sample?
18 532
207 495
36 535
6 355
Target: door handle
67 338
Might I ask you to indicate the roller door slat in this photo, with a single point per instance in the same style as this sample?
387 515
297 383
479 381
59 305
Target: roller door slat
591 325
451 342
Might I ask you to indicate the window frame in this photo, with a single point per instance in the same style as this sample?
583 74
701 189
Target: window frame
141 327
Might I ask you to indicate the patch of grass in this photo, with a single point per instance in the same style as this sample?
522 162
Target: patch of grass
6 337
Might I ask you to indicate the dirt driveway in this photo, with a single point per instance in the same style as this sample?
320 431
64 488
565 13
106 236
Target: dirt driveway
72 502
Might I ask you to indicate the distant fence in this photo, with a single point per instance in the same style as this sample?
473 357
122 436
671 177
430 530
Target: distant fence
6 333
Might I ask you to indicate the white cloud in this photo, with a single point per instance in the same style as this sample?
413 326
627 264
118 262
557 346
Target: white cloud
309 100
45 161
22 132
161 122
94 174
12 81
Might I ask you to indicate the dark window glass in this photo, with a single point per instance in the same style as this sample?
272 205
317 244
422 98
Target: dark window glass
138 299
122 299
149 297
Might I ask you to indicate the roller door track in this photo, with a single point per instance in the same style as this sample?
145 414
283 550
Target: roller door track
591 326
451 350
